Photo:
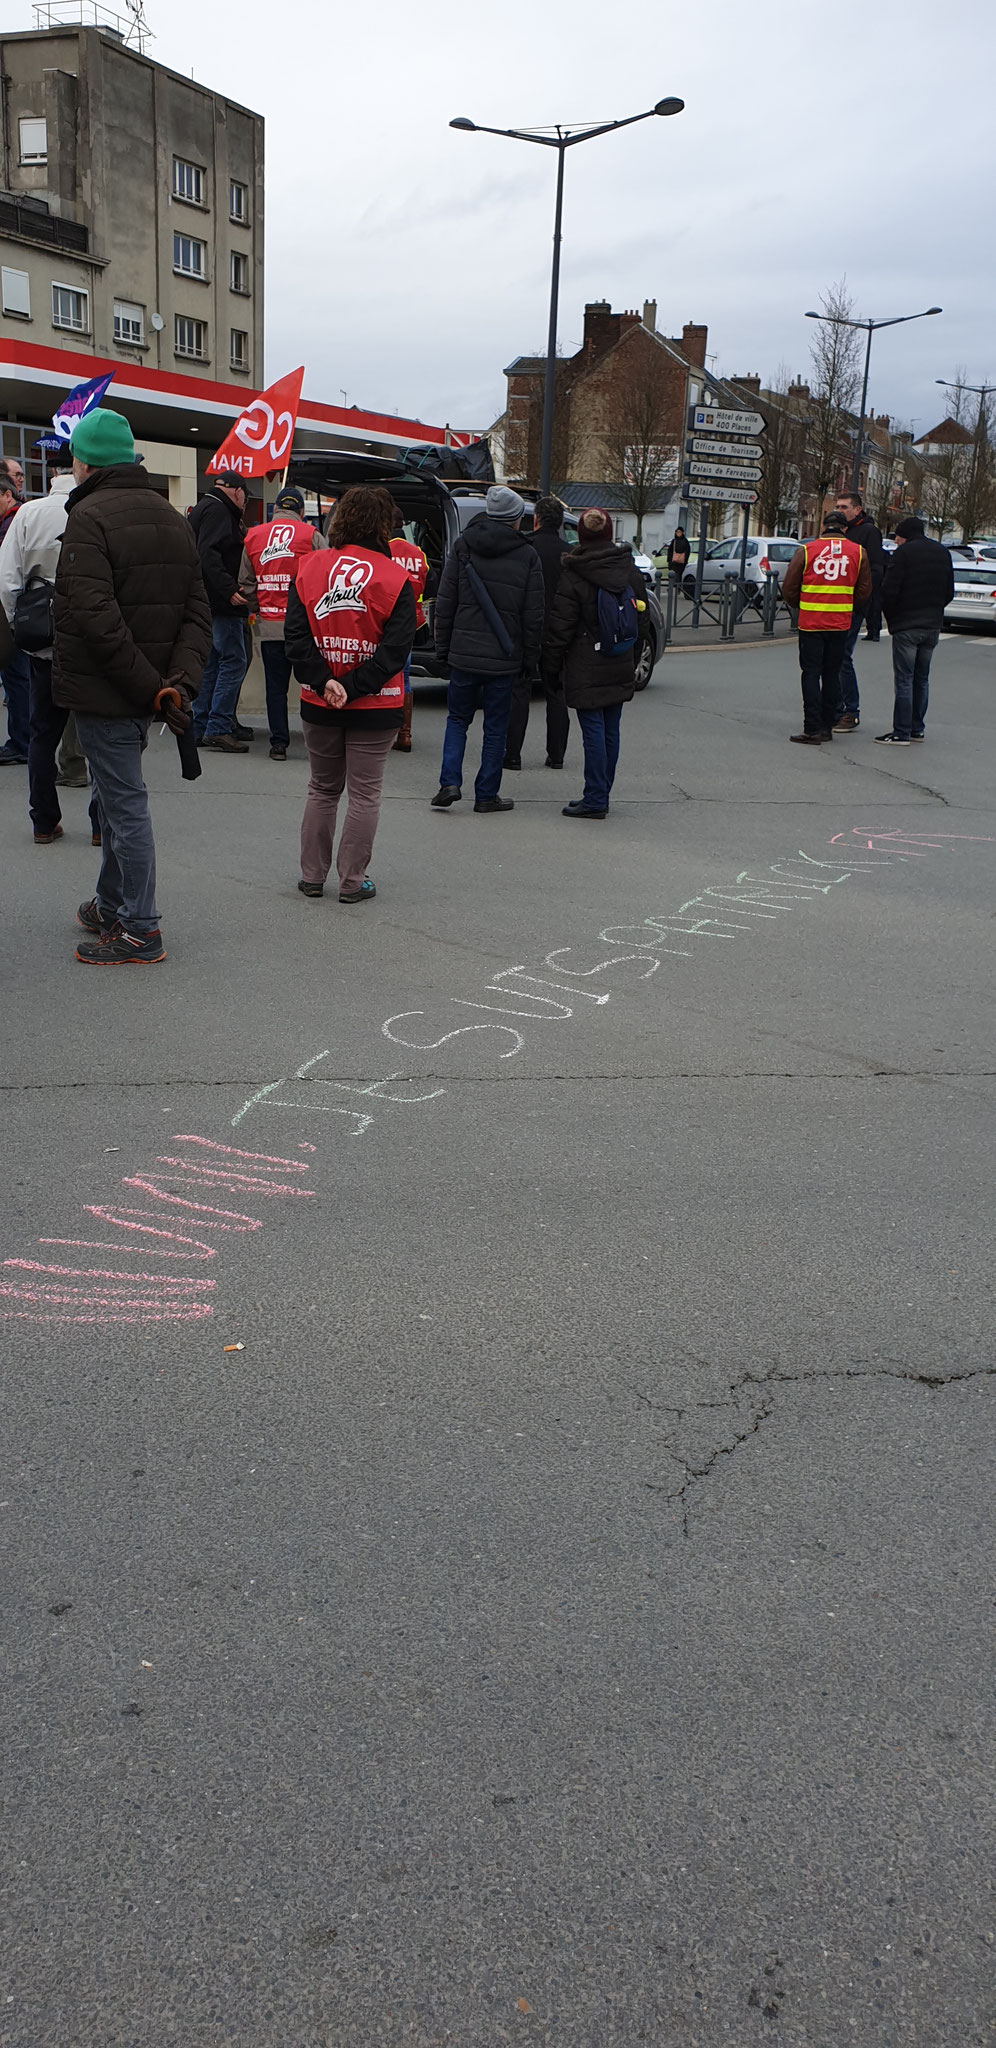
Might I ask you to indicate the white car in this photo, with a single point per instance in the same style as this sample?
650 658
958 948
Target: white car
974 600
973 551
764 552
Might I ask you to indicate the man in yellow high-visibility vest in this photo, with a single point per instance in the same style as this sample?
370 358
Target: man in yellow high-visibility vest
826 578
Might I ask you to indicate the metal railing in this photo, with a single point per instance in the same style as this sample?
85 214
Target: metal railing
725 606
36 226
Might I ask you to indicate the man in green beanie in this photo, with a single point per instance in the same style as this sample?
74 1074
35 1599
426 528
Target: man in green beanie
132 634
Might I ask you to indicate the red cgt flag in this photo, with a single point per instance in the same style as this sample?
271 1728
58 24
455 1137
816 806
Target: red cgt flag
261 438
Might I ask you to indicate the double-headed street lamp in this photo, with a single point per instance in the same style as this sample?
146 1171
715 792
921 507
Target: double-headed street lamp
561 139
868 327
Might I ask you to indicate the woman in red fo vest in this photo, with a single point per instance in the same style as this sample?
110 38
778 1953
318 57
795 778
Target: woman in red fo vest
349 631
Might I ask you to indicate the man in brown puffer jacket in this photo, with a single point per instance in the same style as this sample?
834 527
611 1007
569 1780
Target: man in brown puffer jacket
132 634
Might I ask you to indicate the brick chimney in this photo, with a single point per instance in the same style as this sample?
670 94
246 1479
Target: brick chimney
650 315
751 383
601 327
797 389
693 345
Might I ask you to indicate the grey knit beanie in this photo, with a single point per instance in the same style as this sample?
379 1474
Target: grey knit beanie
501 503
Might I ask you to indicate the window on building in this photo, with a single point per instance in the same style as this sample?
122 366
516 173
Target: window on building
238 202
70 308
189 256
239 272
188 181
34 141
16 286
240 349
129 323
190 337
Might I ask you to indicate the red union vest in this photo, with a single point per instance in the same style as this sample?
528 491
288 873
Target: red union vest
826 600
349 594
274 550
416 568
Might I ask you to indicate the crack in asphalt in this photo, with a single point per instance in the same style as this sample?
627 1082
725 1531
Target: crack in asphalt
697 1468
876 768
454 1081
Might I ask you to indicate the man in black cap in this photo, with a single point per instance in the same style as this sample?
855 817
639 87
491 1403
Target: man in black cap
826 582
217 523
918 583
267 570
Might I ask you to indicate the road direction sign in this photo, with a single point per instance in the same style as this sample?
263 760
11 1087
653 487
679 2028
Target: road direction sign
733 472
725 422
723 494
717 449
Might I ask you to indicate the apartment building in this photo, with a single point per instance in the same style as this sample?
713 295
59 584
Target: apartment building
131 208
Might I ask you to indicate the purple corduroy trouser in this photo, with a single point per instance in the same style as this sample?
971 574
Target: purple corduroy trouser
342 757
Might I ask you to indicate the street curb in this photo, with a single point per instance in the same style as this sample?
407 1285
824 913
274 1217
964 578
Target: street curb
726 646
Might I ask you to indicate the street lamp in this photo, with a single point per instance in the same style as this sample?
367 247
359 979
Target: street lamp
561 139
983 391
868 327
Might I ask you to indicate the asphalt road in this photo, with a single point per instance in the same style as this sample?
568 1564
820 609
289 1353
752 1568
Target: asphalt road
568 1619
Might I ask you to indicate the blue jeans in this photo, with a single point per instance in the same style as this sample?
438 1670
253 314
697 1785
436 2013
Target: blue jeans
464 695
911 654
277 670
848 679
126 885
16 681
600 733
224 674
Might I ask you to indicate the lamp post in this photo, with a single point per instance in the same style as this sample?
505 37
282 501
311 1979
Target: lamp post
561 139
868 327
983 391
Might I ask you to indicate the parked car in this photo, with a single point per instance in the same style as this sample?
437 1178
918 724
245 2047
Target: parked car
435 514
972 551
974 600
764 552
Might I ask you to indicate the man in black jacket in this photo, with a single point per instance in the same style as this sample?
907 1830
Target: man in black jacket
918 583
551 547
217 523
132 633
488 624
862 529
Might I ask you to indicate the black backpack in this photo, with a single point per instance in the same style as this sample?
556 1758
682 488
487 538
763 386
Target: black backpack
32 626
618 623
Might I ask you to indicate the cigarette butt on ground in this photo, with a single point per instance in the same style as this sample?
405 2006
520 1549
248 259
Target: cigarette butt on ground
233 1347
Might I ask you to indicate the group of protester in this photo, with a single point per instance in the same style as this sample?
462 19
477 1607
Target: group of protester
844 580
125 611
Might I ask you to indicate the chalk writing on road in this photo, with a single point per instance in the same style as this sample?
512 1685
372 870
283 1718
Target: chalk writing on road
224 1184
45 1290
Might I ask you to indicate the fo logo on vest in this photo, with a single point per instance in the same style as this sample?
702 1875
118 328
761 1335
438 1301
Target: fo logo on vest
345 592
280 543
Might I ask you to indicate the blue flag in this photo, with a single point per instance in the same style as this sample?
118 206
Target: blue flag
81 399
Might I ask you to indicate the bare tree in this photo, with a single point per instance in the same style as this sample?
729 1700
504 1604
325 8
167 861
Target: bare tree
974 505
639 452
781 453
945 475
836 382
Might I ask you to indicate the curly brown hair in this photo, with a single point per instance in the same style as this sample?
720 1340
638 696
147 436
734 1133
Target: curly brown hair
364 518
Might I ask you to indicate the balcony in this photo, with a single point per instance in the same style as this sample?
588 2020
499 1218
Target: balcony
34 223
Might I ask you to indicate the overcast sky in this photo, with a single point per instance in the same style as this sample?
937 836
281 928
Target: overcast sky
408 263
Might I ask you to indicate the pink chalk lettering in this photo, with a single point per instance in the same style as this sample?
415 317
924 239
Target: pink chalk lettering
207 1176
121 1220
228 1219
236 1152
